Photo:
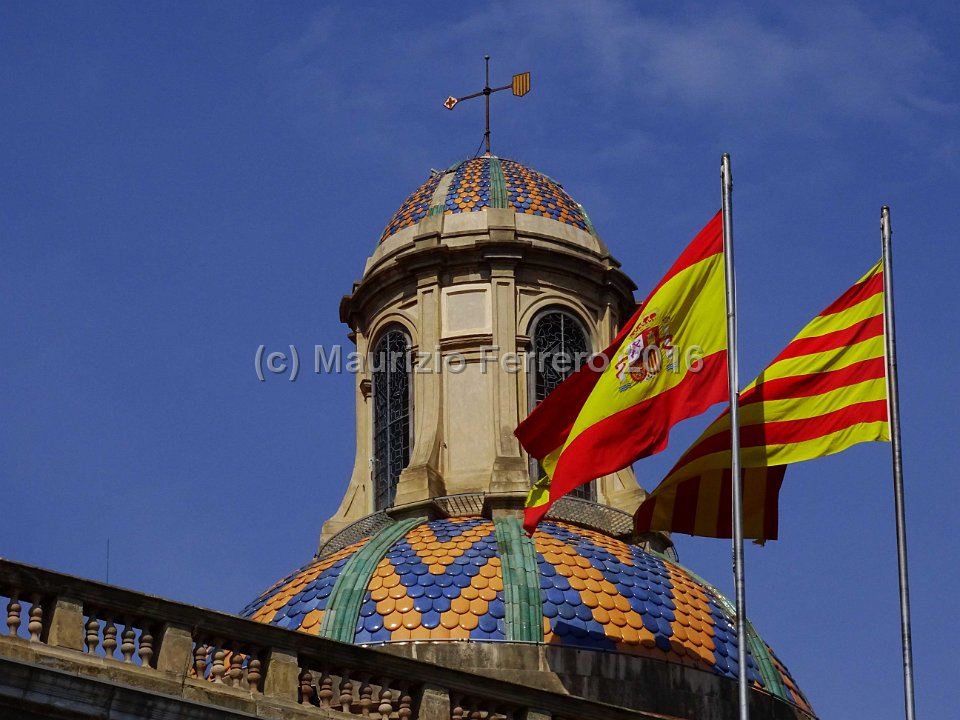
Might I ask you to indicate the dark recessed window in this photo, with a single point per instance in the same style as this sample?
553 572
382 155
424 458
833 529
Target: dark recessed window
391 414
560 346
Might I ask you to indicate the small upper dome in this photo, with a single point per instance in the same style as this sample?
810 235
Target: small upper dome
443 580
489 181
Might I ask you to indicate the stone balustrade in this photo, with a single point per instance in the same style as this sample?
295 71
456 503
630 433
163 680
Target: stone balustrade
79 643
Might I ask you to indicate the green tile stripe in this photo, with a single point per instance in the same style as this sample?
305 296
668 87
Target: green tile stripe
586 219
439 198
758 648
771 677
521 582
343 607
498 186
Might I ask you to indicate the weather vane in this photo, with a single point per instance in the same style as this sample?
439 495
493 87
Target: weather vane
520 86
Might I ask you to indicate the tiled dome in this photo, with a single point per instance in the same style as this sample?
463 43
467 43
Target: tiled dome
473 185
444 580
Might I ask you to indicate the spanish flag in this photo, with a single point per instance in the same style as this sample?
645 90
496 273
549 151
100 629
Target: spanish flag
825 392
668 363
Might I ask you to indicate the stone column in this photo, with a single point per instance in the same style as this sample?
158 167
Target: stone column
509 472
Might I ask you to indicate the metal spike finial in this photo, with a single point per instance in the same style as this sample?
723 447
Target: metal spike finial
520 84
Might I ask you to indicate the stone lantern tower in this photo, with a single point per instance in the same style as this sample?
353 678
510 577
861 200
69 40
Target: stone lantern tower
473 264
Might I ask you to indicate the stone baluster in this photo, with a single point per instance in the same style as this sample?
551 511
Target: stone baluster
236 668
109 637
346 691
306 686
405 710
200 660
386 700
366 695
326 690
13 615
92 637
35 624
217 669
127 641
456 711
253 671
145 651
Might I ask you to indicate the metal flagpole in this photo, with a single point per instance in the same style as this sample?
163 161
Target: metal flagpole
893 408
734 382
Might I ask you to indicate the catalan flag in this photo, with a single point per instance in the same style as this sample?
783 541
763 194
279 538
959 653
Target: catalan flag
668 363
825 392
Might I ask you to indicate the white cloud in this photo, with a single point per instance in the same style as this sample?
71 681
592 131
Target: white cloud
812 63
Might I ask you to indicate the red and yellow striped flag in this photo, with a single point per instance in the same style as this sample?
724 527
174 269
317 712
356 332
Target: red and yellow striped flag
825 392
668 363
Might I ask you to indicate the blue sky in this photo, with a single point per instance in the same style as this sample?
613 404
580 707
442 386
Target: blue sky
182 182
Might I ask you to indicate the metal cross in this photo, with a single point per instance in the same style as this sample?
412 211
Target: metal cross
520 86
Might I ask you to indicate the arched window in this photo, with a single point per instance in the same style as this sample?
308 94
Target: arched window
560 346
391 414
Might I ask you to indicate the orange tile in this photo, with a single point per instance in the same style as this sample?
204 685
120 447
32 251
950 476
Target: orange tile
621 603
386 606
634 620
263 613
487 594
391 581
393 621
613 632
547 631
470 593
488 571
379 594
469 622
437 633
459 633
411 619
618 618
601 615
311 621
449 620
605 600
479 606
404 604
421 633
